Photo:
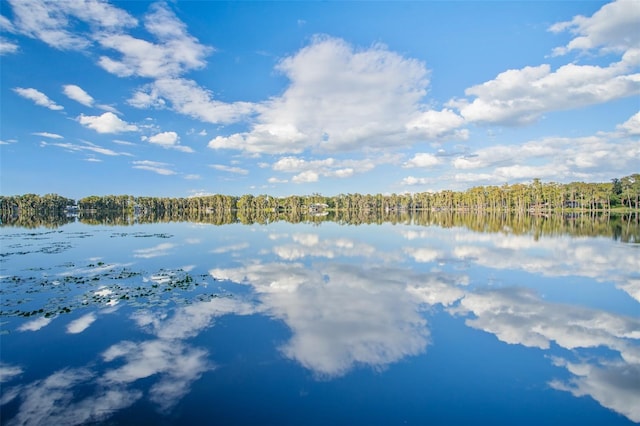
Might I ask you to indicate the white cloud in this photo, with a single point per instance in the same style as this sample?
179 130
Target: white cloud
276 180
307 176
52 21
153 166
560 159
341 99
311 170
106 123
6 25
7 47
87 146
632 125
168 140
437 125
187 97
48 135
295 164
78 94
614 27
521 96
423 159
412 180
176 52
108 108
173 53
192 177
38 97
230 169
8 372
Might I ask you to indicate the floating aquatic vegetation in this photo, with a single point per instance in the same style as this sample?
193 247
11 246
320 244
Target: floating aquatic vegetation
49 296
140 235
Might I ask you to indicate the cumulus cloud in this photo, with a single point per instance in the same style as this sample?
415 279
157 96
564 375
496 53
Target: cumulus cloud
412 180
55 22
78 94
521 96
106 123
154 166
307 176
276 180
632 125
340 99
437 125
423 159
38 97
614 27
168 140
311 170
561 159
164 138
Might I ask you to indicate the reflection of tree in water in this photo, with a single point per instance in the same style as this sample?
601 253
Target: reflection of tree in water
620 227
31 221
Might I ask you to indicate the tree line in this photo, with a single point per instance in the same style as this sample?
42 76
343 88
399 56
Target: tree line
624 227
537 197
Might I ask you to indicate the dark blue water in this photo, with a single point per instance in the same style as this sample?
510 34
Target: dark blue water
183 323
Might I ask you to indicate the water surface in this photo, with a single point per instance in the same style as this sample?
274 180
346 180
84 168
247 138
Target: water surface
317 323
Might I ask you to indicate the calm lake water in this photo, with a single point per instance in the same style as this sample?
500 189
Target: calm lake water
317 324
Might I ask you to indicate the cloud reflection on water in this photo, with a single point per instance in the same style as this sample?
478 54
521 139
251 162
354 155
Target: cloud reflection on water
343 315
363 301
519 316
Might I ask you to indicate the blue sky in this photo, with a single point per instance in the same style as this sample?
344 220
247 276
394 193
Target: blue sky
200 97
